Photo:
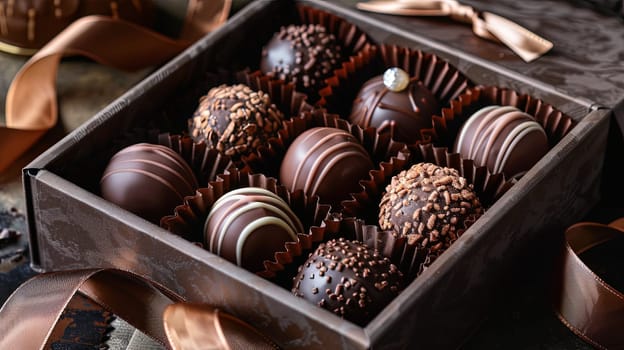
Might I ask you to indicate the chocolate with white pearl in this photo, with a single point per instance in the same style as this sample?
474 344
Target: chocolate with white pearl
404 113
302 54
348 278
235 120
504 139
429 205
249 225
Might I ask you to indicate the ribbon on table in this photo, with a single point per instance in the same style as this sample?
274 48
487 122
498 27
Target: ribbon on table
526 44
31 106
586 304
30 314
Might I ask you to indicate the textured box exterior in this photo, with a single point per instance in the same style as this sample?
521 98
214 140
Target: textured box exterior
73 228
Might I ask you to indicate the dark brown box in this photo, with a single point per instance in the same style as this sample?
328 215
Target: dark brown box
71 227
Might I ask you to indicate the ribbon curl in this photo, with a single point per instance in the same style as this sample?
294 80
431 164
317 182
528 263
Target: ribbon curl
31 106
526 44
584 303
30 314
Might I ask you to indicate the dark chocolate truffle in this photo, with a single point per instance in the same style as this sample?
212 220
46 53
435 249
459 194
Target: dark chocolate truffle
430 205
302 54
148 180
235 120
249 225
504 139
402 113
327 162
348 278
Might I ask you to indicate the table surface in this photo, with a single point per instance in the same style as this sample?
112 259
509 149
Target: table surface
586 62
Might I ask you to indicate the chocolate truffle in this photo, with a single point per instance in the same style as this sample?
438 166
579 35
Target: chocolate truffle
148 180
249 225
430 205
327 162
403 113
348 278
504 139
302 54
235 120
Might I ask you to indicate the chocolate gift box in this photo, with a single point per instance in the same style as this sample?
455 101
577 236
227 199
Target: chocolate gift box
71 226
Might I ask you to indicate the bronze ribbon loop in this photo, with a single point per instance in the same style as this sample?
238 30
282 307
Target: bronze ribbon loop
31 106
32 311
197 326
529 46
586 304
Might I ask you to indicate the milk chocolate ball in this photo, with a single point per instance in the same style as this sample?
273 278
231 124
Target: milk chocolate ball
326 162
148 180
235 120
504 139
430 205
249 225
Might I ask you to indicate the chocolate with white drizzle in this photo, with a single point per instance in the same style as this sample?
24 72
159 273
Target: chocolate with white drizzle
249 225
504 139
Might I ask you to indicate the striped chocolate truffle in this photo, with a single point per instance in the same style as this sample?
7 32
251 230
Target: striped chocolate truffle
402 114
429 205
348 278
235 120
504 139
249 225
304 55
326 162
148 180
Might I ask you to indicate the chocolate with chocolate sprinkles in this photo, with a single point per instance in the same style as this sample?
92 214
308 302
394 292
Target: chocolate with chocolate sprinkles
348 278
302 54
429 205
235 120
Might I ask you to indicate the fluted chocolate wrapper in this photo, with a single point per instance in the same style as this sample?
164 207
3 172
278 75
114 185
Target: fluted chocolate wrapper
206 163
189 217
442 79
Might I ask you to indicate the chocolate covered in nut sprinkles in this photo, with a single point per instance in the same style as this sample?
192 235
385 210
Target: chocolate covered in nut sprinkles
429 205
302 54
348 278
235 120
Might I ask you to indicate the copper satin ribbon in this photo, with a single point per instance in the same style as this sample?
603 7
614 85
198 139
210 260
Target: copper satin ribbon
526 44
31 107
29 315
586 304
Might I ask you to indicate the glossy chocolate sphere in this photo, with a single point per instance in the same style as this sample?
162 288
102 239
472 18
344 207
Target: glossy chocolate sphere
327 162
402 113
348 278
504 139
302 54
249 225
148 180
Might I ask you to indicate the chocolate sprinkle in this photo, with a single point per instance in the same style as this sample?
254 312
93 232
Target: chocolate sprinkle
302 54
429 205
357 297
235 120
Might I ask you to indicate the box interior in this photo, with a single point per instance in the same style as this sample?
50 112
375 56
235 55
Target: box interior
166 99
